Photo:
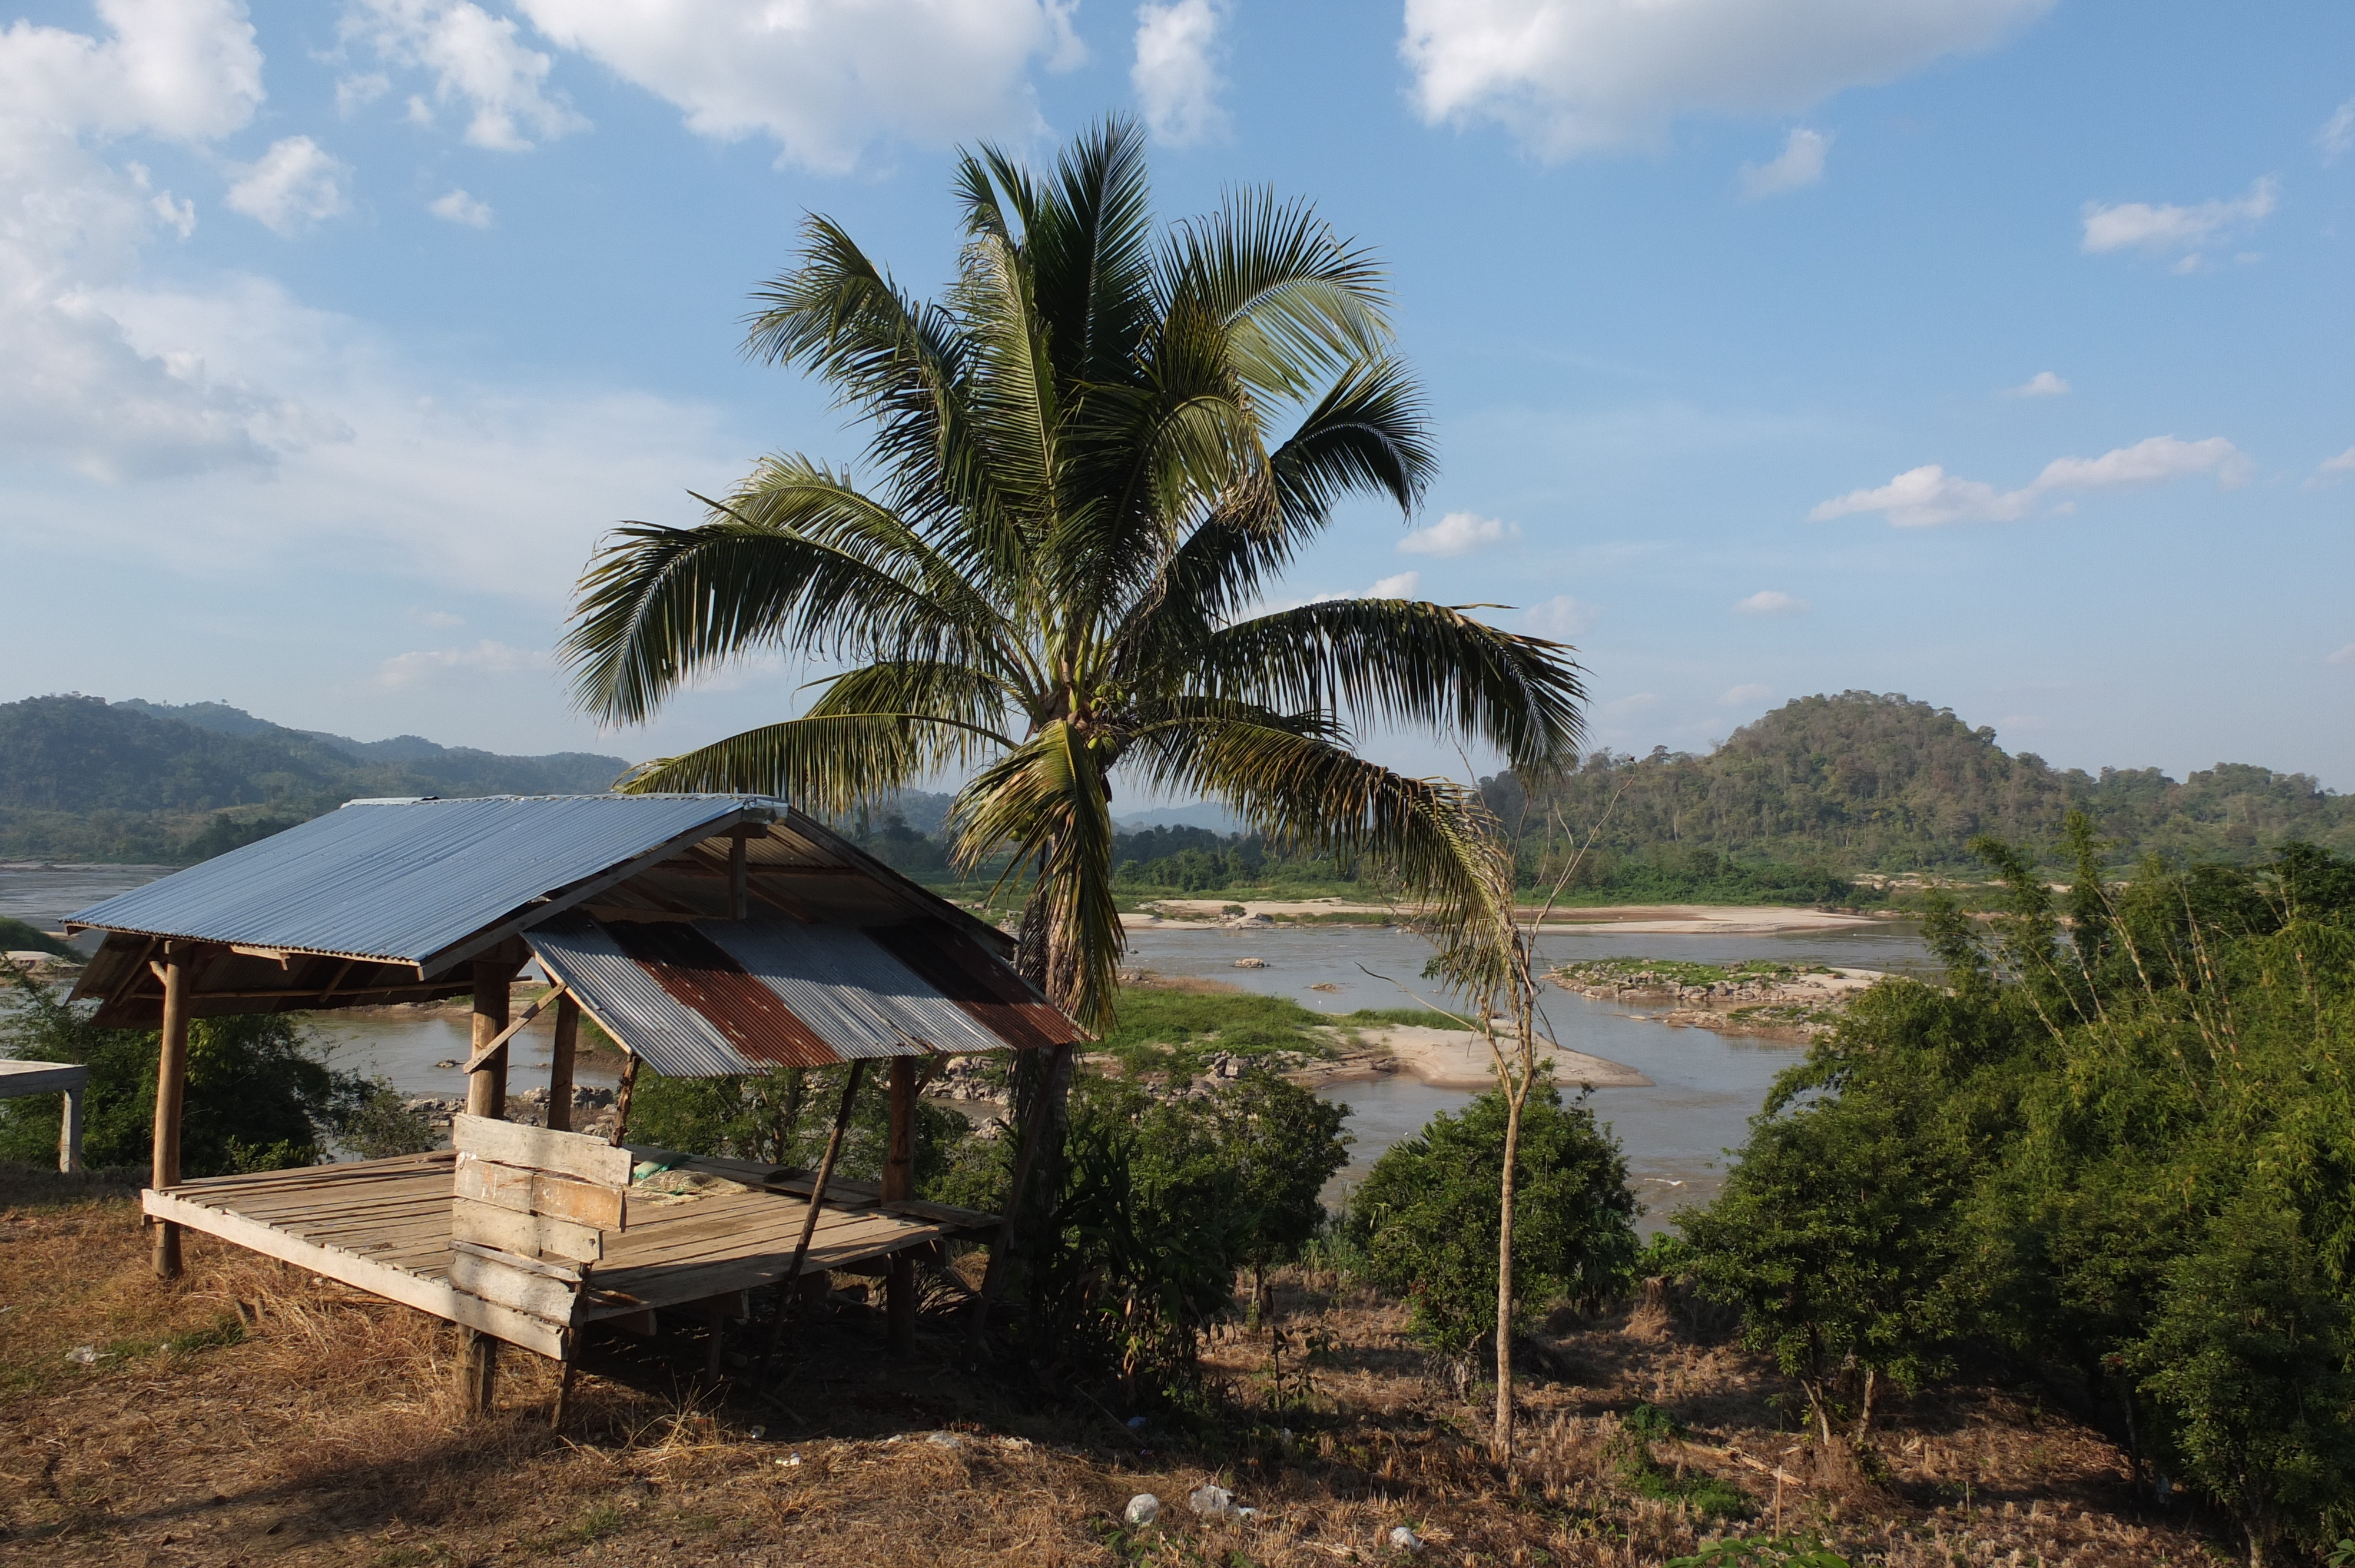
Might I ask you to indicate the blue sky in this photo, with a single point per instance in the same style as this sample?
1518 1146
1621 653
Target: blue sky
1993 351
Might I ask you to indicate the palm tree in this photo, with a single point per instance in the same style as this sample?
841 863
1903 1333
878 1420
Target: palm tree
1044 570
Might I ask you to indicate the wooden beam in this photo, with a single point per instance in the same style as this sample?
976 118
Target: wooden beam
499 1042
533 1235
559 1062
535 1295
431 1296
171 1090
537 1193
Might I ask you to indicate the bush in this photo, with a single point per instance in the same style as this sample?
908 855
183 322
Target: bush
1428 1214
256 1099
783 1116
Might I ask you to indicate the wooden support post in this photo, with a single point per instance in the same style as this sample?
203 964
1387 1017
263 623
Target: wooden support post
560 1063
478 1370
621 1099
809 1219
564 1384
486 1087
171 1089
70 1131
899 1183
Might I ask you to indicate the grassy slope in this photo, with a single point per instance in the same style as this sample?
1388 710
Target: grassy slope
251 1414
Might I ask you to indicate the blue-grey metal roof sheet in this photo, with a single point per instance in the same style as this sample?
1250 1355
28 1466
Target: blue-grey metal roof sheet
406 880
838 985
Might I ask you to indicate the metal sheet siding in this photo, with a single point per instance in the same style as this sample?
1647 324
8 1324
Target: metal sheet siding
402 880
835 979
631 1004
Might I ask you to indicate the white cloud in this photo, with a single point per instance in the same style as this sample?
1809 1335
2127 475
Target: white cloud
2343 464
2139 226
1929 496
291 187
457 207
2343 656
74 389
1400 586
477 60
1459 533
1560 617
827 78
2043 384
353 93
1771 601
1799 165
440 620
1176 71
1577 76
2338 132
1742 696
485 658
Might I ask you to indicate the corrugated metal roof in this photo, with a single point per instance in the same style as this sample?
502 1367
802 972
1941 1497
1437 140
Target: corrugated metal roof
407 881
715 998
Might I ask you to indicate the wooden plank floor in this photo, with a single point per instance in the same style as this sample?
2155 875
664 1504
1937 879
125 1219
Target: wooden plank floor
384 1226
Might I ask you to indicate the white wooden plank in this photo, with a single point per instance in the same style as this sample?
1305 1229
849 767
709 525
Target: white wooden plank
41 1079
536 1193
568 1274
534 1235
535 1293
428 1296
565 1153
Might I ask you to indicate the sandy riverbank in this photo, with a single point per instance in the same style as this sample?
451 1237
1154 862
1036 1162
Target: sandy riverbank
1453 1059
1655 920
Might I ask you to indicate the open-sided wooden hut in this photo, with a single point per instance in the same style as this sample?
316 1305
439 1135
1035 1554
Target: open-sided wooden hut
706 935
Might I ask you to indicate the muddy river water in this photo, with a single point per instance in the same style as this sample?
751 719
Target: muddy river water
1705 1085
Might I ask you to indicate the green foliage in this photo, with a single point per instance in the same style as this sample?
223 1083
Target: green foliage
1867 782
143 781
1427 1216
783 1116
376 1124
2123 1150
256 1098
16 936
1164 1201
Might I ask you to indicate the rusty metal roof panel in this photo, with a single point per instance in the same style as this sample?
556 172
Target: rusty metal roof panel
404 880
633 1006
877 1005
706 999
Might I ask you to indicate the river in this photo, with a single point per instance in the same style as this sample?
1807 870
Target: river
1705 1085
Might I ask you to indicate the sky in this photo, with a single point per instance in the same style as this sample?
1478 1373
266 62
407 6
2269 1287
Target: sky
1996 352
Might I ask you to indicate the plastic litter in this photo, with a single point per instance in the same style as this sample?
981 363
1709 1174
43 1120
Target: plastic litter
1136 1423
944 1439
1211 1501
1143 1509
1401 1539
86 1354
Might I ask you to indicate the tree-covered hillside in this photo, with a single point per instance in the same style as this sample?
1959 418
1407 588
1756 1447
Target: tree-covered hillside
1863 783
86 780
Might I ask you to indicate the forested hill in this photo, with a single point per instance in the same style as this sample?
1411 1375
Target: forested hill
86 780
1862 782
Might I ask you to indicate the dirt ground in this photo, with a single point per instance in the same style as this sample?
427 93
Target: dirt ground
251 1414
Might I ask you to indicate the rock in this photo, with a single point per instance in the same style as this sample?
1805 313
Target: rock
1143 1509
1401 1539
446 1062
1329 985
1251 963
1212 1501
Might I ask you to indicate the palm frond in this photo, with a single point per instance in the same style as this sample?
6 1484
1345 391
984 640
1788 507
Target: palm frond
658 604
833 764
1404 662
1303 791
1047 801
1298 302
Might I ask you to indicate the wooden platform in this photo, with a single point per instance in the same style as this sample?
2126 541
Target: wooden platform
383 1226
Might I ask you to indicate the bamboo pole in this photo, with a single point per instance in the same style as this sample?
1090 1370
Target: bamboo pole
560 1063
171 1089
898 1184
809 1221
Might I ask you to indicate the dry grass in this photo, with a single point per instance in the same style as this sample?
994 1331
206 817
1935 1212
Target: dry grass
251 1413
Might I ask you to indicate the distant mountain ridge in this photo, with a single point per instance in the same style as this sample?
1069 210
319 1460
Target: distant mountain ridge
1872 781
84 779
